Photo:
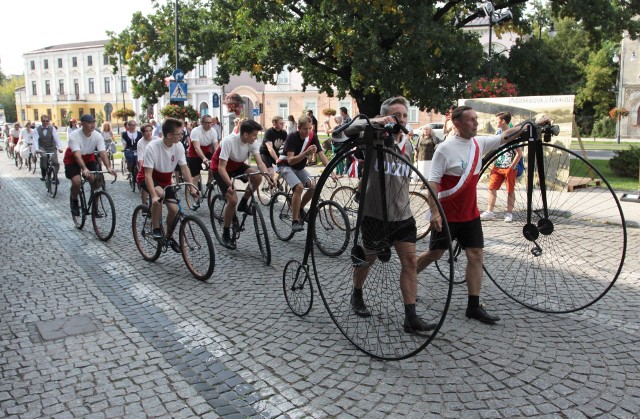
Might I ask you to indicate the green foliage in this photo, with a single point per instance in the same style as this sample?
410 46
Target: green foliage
604 127
626 162
8 96
67 118
99 119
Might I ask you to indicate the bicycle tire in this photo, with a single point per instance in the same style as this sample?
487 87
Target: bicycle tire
421 213
132 178
459 265
28 163
123 165
34 168
190 200
18 159
216 215
112 161
103 215
8 150
345 196
52 184
264 192
79 220
331 232
564 276
280 215
382 335
197 248
298 292
148 247
261 233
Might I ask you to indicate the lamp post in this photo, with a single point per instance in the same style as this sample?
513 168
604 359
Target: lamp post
495 18
620 81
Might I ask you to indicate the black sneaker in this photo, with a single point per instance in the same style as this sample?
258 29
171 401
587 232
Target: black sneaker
228 242
244 207
359 307
297 226
196 205
417 326
481 315
157 234
75 208
174 245
303 215
42 179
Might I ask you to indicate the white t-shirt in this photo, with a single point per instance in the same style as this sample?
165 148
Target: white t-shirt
233 149
163 160
142 145
27 137
205 138
452 156
87 146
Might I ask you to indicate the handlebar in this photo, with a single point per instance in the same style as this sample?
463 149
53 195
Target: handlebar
234 178
351 130
102 172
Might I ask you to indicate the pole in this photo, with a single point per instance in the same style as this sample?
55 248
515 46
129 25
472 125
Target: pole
490 33
121 87
115 91
620 87
176 34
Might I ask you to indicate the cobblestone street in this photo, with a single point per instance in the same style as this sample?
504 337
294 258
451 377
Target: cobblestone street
89 329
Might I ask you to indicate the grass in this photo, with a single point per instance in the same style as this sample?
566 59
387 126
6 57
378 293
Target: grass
600 145
618 183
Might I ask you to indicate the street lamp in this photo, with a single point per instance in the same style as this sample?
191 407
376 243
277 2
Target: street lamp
495 18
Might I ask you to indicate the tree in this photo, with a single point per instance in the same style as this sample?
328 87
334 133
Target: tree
368 49
8 96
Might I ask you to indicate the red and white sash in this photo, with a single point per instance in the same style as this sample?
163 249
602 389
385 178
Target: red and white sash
402 145
474 156
353 168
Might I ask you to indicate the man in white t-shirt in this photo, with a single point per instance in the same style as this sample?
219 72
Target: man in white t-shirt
455 170
147 137
80 159
160 160
229 161
204 141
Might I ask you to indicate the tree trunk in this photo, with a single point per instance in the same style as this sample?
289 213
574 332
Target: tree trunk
368 104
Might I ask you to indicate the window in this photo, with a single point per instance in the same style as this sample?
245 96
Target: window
414 113
80 111
61 87
45 64
107 84
312 105
202 70
47 87
123 85
105 59
32 65
92 111
283 109
59 62
283 77
76 88
23 114
90 60
92 87
63 113
74 61
204 108
35 115
34 90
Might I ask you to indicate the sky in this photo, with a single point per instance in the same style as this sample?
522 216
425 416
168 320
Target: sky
41 23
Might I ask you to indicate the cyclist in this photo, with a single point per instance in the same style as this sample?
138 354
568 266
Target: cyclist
46 140
147 137
204 141
291 165
26 140
130 138
160 158
229 161
15 137
80 158
274 139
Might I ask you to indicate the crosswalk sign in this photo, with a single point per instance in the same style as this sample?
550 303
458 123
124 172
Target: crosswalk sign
177 91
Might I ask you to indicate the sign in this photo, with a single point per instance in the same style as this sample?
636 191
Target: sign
177 91
178 75
256 112
216 100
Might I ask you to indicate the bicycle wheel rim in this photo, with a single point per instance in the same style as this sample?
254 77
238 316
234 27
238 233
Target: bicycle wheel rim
264 192
261 234
216 212
79 220
53 183
197 248
381 335
281 216
421 213
345 197
103 215
297 287
331 229
588 222
142 230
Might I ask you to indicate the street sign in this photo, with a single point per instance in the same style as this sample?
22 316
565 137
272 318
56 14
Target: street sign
256 112
177 91
216 100
178 75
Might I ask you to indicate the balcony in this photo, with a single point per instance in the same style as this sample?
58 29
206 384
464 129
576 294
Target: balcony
70 98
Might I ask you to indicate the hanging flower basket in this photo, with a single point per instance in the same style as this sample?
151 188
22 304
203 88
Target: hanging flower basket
616 113
124 113
495 87
329 112
180 112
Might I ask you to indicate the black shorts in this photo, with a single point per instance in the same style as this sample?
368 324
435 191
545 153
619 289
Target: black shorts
223 185
268 160
377 234
195 165
72 170
170 193
468 234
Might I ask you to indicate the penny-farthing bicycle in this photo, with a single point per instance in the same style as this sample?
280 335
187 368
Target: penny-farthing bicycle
566 245
380 335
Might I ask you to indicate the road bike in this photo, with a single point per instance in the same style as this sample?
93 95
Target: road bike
194 241
216 214
567 243
386 177
100 206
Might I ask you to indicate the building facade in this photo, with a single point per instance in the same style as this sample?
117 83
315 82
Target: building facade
628 89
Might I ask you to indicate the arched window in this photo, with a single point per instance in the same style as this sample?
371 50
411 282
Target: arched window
204 109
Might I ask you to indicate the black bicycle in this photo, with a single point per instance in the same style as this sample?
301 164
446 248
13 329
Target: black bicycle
100 206
50 175
216 213
32 161
210 190
194 240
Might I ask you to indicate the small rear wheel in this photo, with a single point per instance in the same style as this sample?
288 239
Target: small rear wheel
148 247
281 216
297 288
197 248
103 215
261 234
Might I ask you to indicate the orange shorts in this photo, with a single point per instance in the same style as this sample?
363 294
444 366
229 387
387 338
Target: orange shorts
500 175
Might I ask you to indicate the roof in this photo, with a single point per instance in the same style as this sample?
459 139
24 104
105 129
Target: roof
75 45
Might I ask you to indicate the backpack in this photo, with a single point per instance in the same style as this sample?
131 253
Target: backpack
520 167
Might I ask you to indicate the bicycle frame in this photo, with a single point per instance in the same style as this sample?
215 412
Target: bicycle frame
236 226
99 174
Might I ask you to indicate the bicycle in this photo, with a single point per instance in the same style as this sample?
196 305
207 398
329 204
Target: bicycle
380 335
32 160
216 213
194 240
18 159
51 175
565 213
100 205
332 228
211 189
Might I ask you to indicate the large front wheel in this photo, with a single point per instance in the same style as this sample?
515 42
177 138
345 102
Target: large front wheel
197 248
148 247
103 215
261 234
